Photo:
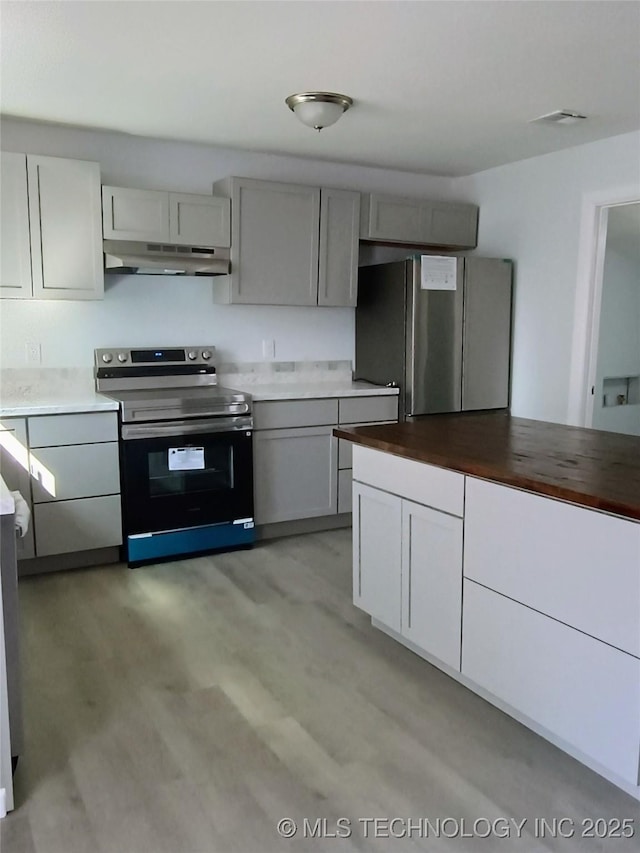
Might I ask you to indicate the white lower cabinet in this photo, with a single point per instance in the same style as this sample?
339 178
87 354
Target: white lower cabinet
407 570
580 689
545 619
432 581
377 545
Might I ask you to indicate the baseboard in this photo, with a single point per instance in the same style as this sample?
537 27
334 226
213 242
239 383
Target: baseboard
303 525
64 562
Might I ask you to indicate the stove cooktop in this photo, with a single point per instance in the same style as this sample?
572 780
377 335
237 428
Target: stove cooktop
154 404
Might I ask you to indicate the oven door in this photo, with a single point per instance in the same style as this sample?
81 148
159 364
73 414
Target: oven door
181 474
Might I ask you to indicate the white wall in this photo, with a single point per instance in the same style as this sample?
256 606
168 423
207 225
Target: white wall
165 310
530 211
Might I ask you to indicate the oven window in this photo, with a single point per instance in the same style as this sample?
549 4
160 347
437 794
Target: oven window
215 475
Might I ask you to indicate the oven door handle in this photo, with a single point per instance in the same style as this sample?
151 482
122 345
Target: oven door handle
184 428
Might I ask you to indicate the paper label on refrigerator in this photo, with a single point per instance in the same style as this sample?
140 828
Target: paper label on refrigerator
438 272
186 458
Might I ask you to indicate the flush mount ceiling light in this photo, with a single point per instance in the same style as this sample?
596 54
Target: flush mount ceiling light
318 109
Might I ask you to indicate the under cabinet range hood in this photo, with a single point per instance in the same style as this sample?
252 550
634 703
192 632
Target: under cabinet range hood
126 257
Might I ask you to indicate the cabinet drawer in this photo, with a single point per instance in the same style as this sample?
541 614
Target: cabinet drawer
578 688
74 471
353 410
283 414
55 430
345 486
416 481
575 564
80 525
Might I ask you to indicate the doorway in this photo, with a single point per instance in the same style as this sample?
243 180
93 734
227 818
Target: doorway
615 402
606 334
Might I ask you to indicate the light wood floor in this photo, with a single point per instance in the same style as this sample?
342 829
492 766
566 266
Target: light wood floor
187 707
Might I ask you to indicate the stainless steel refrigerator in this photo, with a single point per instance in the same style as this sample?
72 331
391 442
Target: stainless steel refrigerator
448 350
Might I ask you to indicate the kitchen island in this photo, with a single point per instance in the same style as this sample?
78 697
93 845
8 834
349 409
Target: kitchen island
506 552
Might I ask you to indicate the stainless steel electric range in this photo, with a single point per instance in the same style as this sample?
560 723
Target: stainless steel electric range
186 462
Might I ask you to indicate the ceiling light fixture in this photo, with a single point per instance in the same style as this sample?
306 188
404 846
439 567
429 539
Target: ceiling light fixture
318 109
560 117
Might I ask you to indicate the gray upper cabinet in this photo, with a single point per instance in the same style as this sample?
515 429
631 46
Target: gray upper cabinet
291 244
155 216
15 258
51 229
396 219
199 220
338 261
129 214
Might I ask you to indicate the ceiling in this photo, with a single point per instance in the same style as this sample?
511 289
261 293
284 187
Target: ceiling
444 88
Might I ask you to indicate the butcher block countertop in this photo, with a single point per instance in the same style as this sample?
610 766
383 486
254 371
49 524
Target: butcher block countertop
586 467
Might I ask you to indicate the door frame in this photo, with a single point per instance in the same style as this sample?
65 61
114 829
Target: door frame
588 299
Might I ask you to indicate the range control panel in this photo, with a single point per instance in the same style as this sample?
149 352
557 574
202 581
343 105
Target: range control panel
151 356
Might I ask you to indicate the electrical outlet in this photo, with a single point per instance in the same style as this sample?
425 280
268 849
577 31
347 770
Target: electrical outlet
268 349
33 352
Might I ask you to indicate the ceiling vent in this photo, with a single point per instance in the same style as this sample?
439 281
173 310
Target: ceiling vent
559 117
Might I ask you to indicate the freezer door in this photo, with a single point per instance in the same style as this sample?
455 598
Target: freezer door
486 333
434 347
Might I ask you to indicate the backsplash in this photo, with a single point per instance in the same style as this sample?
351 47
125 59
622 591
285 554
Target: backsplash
22 383
53 382
277 372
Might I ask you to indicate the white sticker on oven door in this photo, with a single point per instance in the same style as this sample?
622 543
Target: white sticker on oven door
186 458
438 272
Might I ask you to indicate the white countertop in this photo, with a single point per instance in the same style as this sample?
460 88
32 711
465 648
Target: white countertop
34 403
7 503
307 390
28 405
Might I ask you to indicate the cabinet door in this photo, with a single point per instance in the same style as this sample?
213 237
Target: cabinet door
66 231
14 469
141 215
447 224
394 219
432 581
15 258
295 474
199 220
377 547
274 246
339 239
580 689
